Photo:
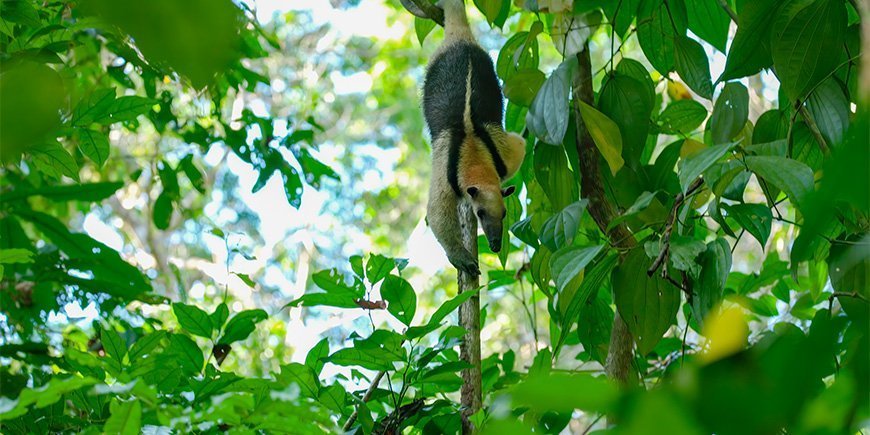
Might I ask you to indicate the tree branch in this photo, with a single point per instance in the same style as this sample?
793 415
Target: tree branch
669 227
469 318
619 355
814 129
365 398
424 9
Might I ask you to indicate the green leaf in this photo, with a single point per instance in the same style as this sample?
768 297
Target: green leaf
53 160
94 107
807 43
113 344
48 394
162 211
756 219
606 135
627 101
443 311
539 266
750 50
193 173
242 325
682 117
691 63
422 27
316 356
522 87
565 392
683 252
559 230
692 167
553 173
92 192
730 113
659 23
219 316
829 109
522 229
125 418
301 375
770 126
377 267
709 21
519 52
337 293
400 297
647 304
547 118
568 263
791 176
186 353
372 359
193 319
11 256
709 287
592 281
489 8
145 345
95 145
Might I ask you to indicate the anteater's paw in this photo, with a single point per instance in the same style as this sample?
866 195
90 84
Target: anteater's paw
465 262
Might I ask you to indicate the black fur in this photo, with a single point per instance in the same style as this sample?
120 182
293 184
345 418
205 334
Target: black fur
444 101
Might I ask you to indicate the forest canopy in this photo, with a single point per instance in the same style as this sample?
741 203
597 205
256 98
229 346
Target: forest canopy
212 219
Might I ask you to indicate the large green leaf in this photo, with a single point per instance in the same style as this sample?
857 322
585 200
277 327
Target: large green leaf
756 219
682 117
559 230
708 288
691 63
626 101
730 113
113 344
605 134
242 325
125 418
443 311
693 166
193 319
336 292
568 263
770 126
791 176
659 23
95 145
523 86
400 297
648 304
93 192
54 160
553 173
829 108
807 43
301 375
377 267
750 50
709 21
548 115
422 27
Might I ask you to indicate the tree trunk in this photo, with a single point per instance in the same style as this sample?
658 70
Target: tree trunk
469 318
619 354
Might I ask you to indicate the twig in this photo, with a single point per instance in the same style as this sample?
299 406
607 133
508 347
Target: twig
365 398
854 294
669 227
727 8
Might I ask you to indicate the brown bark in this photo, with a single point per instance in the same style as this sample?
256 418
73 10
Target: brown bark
469 318
619 354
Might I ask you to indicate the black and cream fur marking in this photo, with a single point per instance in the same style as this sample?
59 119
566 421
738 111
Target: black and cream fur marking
471 153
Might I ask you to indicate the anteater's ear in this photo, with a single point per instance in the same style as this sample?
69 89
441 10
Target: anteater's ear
472 191
508 191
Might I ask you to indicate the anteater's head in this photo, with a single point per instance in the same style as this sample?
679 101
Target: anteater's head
488 204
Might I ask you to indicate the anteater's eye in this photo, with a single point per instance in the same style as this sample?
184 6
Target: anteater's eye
481 214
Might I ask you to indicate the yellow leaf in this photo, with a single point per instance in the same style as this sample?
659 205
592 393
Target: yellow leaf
678 91
605 134
726 331
691 147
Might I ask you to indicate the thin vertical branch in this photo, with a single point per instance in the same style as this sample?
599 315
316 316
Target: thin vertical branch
619 355
469 318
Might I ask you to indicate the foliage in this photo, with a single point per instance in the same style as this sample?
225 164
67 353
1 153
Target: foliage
746 292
